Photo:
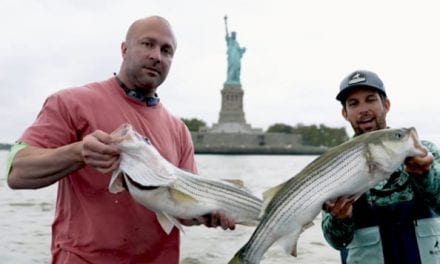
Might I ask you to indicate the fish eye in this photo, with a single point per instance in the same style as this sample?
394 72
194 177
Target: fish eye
398 135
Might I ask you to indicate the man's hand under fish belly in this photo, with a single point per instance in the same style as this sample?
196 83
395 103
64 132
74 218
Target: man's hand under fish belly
214 219
419 165
341 208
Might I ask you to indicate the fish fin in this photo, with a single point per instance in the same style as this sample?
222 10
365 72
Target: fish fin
373 165
294 252
167 222
354 197
182 197
239 257
235 260
308 225
249 222
268 196
289 242
236 182
116 184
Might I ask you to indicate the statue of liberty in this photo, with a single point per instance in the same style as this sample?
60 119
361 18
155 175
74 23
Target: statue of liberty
234 56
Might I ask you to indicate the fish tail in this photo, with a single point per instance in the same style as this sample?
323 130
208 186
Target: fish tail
236 260
239 258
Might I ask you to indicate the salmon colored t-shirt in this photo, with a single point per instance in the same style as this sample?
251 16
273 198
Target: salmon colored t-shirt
91 224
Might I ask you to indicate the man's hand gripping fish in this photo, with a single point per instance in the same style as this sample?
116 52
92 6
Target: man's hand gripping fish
349 169
171 192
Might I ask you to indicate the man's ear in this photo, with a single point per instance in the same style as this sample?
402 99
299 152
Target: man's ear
344 113
387 105
124 49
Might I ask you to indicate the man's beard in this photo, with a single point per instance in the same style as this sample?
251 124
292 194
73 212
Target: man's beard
144 83
378 122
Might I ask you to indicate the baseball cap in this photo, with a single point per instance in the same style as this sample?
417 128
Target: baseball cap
359 78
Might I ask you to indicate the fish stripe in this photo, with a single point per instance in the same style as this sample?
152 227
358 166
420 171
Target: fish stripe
211 191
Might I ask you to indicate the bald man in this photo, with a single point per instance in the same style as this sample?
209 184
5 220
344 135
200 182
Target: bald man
70 144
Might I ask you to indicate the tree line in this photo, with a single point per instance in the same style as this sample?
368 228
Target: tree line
5 146
312 135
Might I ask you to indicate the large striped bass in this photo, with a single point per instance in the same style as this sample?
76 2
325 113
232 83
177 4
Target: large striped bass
349 169
171 192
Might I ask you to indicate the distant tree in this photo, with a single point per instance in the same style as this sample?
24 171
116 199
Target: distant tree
193 124
309 134
321 136
313 135
333 136
4 146
279 128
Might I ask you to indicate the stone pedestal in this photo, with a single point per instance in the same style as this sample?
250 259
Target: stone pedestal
231 119
232 104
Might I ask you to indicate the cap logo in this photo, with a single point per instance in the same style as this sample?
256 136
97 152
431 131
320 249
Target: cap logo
357 78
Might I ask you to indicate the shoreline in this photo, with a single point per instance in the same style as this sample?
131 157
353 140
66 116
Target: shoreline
258 150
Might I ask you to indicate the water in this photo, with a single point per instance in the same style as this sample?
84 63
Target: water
26 216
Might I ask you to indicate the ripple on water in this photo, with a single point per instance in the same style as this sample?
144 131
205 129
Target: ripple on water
190 260
22 204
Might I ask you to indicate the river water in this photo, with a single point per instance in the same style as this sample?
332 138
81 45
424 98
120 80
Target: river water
26 216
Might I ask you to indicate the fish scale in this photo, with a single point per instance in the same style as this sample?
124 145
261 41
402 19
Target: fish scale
348 169
212 191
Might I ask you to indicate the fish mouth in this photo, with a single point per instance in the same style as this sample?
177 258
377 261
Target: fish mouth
137 185
421 151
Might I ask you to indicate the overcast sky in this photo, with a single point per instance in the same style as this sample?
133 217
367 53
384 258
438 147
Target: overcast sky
297 54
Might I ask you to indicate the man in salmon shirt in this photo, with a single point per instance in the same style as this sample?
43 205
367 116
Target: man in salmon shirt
70 144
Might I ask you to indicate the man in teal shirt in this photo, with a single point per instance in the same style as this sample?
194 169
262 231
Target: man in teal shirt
397 220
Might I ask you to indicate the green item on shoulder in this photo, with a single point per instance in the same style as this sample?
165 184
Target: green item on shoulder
14 149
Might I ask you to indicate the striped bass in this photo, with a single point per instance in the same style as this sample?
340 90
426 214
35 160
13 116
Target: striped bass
349 169
174 193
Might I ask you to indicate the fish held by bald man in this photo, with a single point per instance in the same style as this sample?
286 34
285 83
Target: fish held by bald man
173 193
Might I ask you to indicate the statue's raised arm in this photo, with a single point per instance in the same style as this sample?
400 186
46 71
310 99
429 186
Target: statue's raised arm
226 26
234 52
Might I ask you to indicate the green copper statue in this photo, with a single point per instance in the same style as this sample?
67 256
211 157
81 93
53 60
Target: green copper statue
234 56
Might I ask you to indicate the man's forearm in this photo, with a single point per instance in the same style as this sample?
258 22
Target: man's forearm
34 167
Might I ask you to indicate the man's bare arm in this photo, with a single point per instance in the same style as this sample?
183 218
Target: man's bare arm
35 167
